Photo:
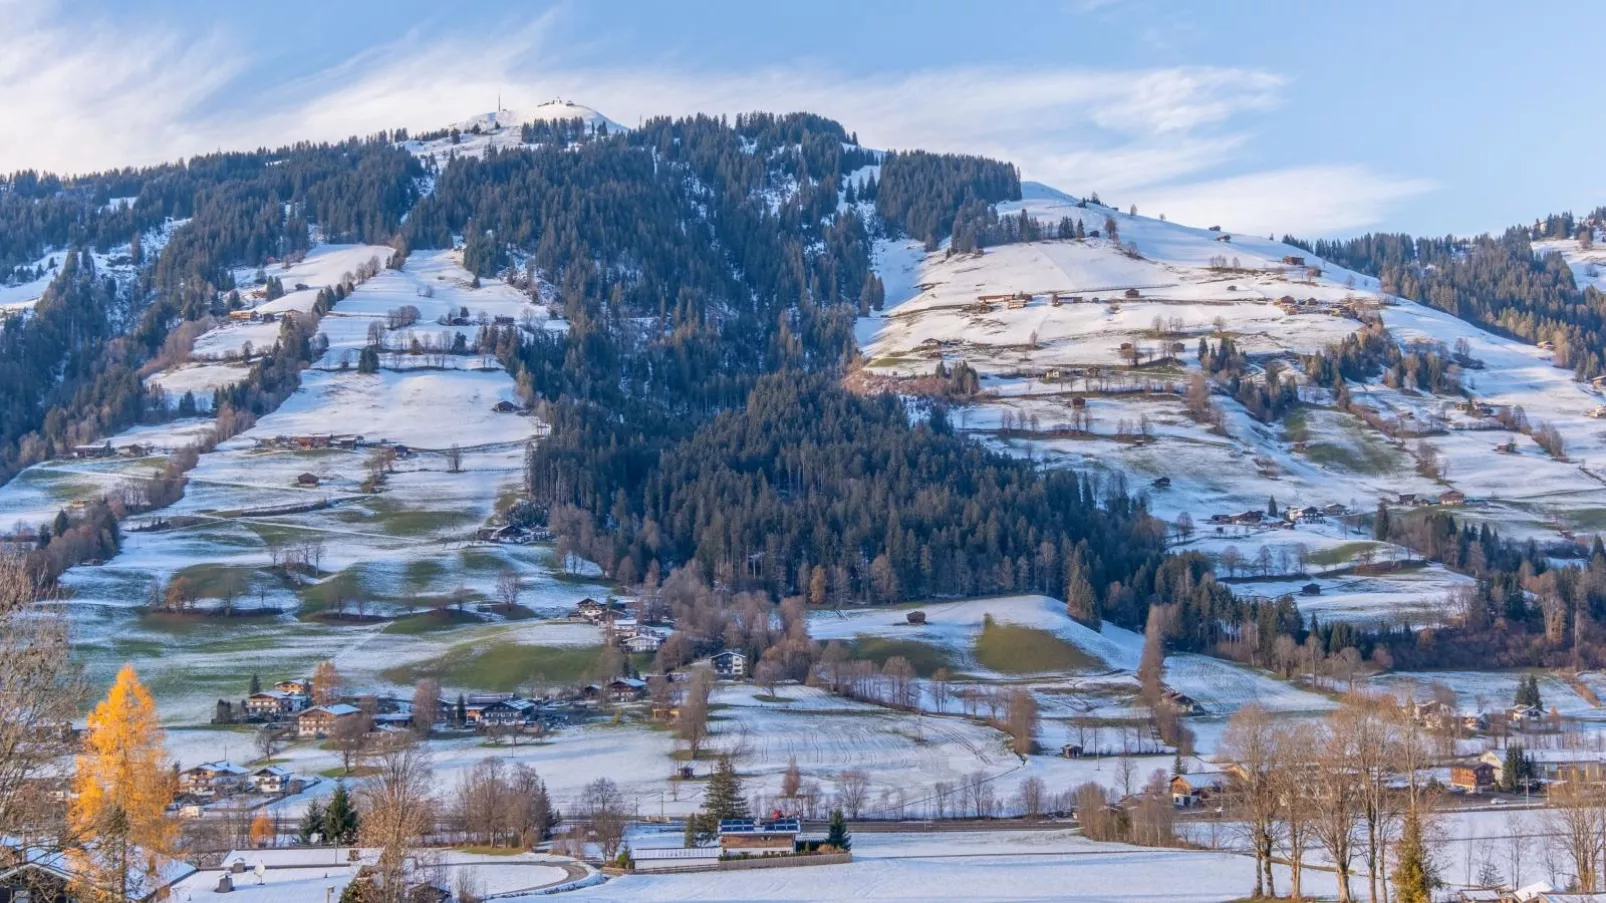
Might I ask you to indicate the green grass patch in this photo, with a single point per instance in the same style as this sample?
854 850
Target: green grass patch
431 621
382 515
501 667
491 851
422 572
1341 554
348 585
1366 452
925 657
1013 649
337 773
217 581
482 561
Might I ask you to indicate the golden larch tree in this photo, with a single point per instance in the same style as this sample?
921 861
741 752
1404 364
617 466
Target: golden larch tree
326 683
121 831
264 832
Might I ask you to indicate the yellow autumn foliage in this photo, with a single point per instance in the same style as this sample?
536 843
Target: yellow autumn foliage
122 787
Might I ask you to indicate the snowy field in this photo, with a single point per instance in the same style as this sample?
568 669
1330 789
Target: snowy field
391 551
1043 366
1003 866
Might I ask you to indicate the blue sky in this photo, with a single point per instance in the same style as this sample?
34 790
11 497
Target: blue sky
1313 118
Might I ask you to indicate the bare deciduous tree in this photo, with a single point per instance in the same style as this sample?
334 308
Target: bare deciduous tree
852 787
39 692
398 809
604 806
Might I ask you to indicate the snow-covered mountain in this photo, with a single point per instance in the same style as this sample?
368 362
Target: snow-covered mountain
1118 348
472 136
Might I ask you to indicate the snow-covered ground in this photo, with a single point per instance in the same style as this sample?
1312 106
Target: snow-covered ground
1044 366
1004 865
393 550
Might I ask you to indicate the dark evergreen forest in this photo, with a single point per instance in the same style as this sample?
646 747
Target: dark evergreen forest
1495 281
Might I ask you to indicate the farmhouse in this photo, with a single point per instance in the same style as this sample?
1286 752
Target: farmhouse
320 720
589 608
759 837
512 710
1453 497
644 642
1472 777
1192 789
300 686
1132 293
274 779
1551 765
271 705
730 664
1294 260
1181 703
213 779
626 689
38 874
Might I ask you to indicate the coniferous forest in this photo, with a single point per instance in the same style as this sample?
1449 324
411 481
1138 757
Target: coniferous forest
710 276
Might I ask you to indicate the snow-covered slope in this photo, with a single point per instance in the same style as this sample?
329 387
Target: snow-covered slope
501 129
560 109
1152 294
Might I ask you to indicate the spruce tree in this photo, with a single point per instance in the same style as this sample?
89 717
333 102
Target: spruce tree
724 798
311 822
340 819
836 834
256 684
462 710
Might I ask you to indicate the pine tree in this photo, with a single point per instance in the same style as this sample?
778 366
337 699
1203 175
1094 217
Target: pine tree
462 710
1380 523
256 684
836 834
123 785
340 820
311 823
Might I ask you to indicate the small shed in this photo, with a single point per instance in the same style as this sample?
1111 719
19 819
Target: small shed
1311 589
307 479
1132 293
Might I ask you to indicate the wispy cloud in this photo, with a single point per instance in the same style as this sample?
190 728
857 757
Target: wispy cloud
79 98
1310 200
